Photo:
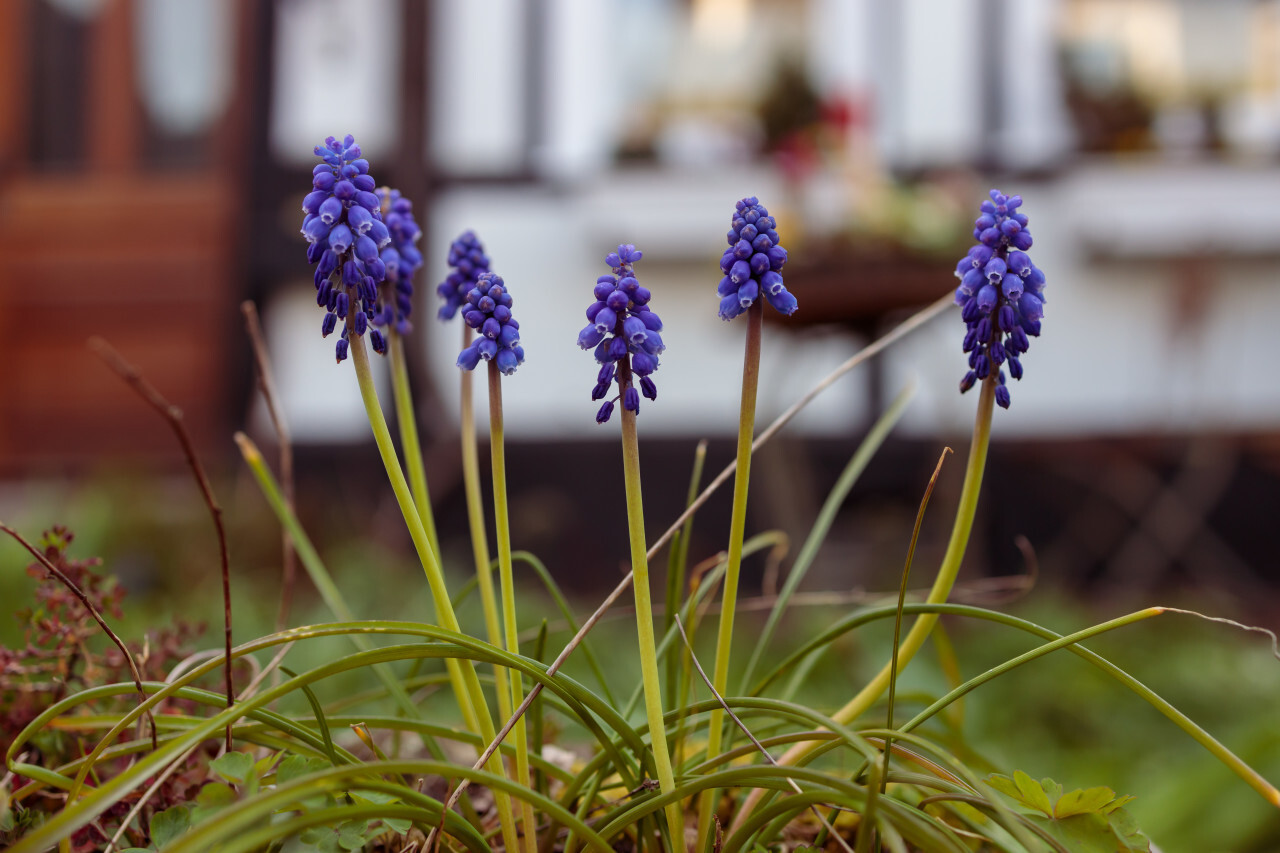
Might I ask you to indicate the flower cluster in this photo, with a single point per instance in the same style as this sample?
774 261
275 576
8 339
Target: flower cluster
344 228
401 259
1001 294
468 260
488 311
624 333
752 265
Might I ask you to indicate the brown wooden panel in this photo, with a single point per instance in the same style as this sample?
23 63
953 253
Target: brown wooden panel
145 263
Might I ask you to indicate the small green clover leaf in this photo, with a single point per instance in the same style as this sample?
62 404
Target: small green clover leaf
233 766
165 826
1087 820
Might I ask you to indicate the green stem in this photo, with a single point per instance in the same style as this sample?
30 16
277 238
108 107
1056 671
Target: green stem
408 426
737 531
502 527
644 615
462 674
941 589
475 519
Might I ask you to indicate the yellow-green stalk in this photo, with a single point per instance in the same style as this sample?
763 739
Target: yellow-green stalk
941 589
502 529
644 614
737 531
462 675
407 423
475 522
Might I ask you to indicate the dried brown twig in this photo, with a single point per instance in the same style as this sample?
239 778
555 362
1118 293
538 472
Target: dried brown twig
93 611
173 415
267 385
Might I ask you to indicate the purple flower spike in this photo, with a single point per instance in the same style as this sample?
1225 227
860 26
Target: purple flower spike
487 308
468 262
344 235
753 262
399 258
1001 294
624 334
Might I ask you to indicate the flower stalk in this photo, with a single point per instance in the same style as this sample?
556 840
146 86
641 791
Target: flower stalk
476 524
462 675
644 615
408 427
502 529
938 593
737 532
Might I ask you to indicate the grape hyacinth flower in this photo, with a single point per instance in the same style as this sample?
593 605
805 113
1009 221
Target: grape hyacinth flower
624 334
401 259
488 311
344 227
1001 294
752 265
468 262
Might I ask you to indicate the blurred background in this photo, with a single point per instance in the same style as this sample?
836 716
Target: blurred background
156 153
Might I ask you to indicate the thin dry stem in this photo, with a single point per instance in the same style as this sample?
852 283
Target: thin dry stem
746 731
267 386
93 611
173 415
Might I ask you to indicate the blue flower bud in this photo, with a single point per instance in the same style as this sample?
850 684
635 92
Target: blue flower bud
634 329
340 238
488 348
589 337
606 319
650 320
643 363
617 300
507 362
469 357
340 350
972 281
653 344
730 307
1002 396
313 200
631 400
606 412
1008 319
331 211
987 297
599 392
329 324
1011 286
1031 306
784 303
648 388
